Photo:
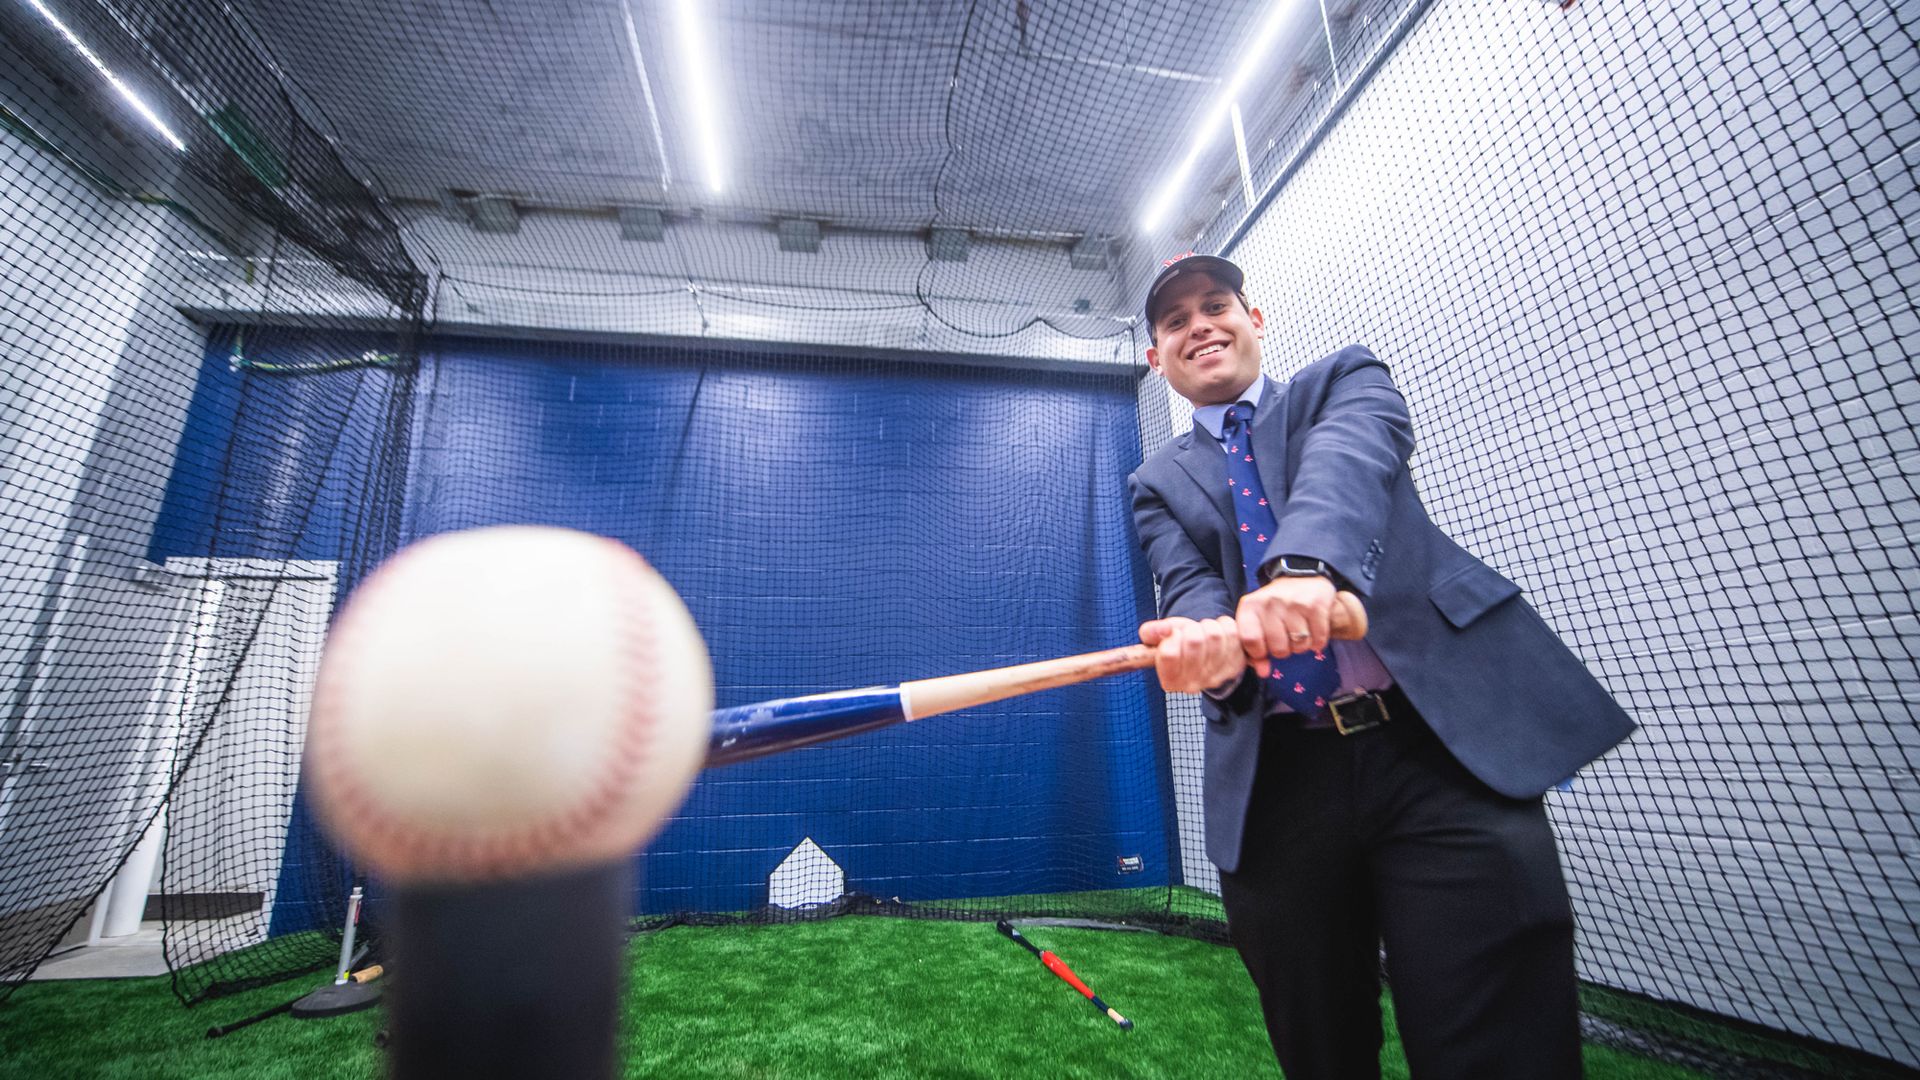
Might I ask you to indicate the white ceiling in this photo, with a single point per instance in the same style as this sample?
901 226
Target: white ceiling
860 113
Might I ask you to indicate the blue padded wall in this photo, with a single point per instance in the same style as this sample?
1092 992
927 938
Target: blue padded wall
831 524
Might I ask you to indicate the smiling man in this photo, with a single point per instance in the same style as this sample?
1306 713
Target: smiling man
1386 790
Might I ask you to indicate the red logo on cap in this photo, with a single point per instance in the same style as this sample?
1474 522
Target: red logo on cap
1176 258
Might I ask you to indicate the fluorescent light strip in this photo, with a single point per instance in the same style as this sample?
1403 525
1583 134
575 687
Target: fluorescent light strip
693 59
1216 115
99 65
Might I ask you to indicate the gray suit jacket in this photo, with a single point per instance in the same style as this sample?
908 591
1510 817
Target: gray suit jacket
1505 696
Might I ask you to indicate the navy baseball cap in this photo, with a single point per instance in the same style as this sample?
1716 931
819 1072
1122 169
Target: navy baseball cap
1213 266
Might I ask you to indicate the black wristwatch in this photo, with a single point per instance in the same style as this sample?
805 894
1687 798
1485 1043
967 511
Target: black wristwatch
1301 566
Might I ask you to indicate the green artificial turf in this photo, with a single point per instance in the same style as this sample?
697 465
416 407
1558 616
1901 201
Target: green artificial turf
137 1030
859 996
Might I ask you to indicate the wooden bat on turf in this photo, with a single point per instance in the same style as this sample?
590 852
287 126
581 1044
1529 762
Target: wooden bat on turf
745 732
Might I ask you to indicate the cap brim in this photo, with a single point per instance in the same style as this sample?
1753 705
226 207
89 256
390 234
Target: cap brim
1213 266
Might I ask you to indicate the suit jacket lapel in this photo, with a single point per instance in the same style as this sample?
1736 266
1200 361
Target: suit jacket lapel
1270 444
1203 460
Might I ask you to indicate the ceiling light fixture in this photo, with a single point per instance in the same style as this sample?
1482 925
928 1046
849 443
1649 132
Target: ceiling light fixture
100 65
706 112
1216 115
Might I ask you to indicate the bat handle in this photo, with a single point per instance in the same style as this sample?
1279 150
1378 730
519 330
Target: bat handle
1344 623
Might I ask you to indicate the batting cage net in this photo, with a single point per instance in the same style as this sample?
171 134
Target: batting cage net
831 310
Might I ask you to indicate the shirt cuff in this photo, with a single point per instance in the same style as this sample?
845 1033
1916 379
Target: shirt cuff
1234 694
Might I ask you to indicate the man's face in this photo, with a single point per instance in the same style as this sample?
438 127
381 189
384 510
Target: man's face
1207 341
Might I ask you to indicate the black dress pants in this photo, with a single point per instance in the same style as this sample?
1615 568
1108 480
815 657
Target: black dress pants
1352 840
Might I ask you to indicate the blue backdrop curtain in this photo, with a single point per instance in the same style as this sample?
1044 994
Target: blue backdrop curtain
831 523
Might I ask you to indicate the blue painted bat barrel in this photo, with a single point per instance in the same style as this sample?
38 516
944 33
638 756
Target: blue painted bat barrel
745 732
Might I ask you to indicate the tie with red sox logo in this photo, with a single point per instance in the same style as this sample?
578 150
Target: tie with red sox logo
1304 681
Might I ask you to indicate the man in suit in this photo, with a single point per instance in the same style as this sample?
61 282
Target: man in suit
1359 792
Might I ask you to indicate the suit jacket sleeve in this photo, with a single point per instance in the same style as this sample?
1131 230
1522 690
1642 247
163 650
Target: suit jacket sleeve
1358 439
1189 586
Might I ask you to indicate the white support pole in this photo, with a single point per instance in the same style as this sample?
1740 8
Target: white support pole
346 938
126 898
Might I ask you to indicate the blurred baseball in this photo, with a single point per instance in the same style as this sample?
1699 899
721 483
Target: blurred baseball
507 701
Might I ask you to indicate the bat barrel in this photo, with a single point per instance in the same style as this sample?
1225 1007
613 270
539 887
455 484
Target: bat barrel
1006 928
746 732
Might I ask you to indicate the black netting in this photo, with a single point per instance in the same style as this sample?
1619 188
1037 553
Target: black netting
1648 281
155 683
1647 278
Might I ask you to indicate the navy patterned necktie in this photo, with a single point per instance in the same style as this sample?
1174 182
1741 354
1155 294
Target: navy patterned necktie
1304 681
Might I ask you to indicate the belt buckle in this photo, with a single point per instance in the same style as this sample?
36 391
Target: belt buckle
1343 727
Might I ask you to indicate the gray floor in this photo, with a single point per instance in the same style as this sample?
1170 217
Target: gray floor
132 956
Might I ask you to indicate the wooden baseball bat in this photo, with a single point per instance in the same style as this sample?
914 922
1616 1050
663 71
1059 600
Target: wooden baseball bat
746 732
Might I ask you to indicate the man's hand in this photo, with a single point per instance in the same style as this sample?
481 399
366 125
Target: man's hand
1193 656
1285 616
